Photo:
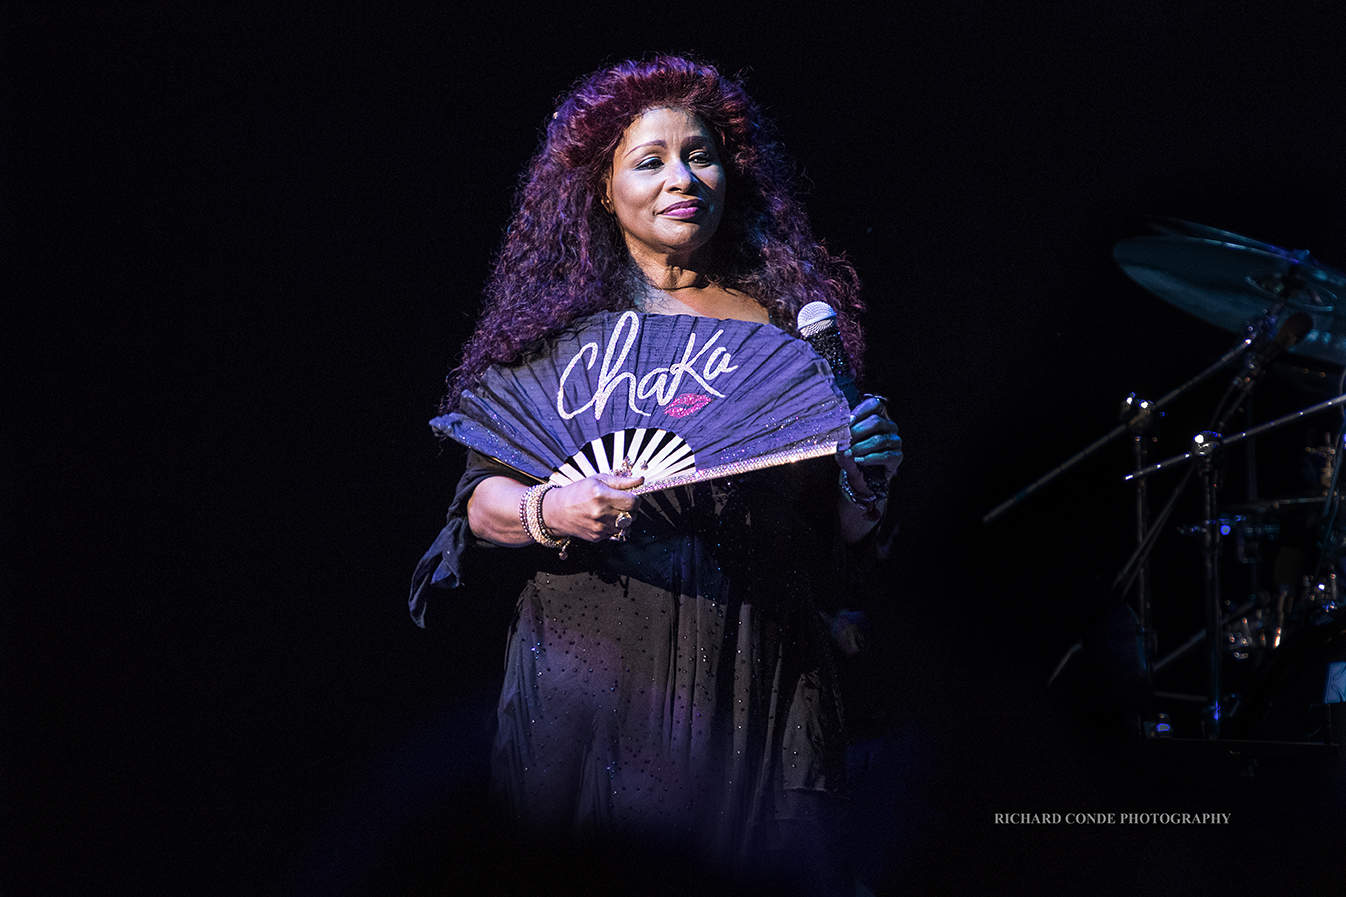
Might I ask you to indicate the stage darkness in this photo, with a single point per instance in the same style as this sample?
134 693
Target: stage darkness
242 247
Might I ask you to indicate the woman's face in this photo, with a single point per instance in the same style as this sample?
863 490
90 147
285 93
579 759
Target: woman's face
667 186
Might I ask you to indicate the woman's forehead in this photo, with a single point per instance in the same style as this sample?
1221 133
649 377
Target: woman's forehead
659 120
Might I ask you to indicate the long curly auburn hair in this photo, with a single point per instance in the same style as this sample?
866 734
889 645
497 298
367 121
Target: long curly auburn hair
564 257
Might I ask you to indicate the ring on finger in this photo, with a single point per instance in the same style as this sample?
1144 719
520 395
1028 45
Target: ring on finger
624 519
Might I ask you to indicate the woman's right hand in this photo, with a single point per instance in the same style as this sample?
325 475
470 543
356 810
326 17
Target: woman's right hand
589 508
586 509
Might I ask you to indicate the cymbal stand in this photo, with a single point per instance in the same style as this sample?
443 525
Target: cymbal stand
1204 447
1251 494
1103 441
1258 430
1239 391
1142 425
1239 388
1126 577
1210 556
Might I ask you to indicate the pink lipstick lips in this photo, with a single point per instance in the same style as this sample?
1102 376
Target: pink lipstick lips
686 405
686 209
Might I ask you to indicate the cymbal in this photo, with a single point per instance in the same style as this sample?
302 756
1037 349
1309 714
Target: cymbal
1228 280
1176 227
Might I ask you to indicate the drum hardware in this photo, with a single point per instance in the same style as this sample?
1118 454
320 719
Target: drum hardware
1138 415
1204 445
1151 410
1162 727
1279 301
1291 281
1316 604
1305 502
1200 635
1204 448
1327 455
1291 693
1247 535
1074 649
1246 635
1226 280
1219 441
1249 538
1278 620
1181 696
1322 599
1319 597
1141 419
1236 525
1241 285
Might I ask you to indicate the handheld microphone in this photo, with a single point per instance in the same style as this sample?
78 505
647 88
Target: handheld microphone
817 323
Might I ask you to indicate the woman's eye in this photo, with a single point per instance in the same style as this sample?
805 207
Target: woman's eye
650 163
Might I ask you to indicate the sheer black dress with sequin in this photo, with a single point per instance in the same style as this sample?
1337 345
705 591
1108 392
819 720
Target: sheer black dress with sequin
679 687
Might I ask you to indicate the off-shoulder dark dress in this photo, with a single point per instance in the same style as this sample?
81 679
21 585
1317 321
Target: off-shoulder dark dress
679 686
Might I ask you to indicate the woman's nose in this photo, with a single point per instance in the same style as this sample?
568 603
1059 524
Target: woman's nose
680 175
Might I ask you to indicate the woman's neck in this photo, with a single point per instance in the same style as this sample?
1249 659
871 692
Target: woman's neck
703 299
673 273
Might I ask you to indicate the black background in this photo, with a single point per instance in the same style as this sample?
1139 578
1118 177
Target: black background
243 244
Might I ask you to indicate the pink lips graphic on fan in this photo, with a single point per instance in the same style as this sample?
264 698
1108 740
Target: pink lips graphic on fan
686 405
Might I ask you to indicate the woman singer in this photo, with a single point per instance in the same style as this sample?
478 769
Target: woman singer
676 687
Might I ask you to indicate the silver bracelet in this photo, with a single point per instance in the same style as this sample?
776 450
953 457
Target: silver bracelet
870 505
530 515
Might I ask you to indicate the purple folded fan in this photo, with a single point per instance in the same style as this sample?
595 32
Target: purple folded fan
673 398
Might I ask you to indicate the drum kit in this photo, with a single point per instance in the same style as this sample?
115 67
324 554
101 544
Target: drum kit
1275 653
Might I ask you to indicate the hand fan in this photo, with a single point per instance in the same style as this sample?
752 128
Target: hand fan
673 398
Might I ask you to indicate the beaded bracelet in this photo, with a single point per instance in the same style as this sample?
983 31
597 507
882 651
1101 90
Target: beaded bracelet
530 515
869 504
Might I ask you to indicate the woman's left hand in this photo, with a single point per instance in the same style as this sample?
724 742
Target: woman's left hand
874 439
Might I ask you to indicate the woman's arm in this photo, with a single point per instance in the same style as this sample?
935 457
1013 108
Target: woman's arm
586 509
